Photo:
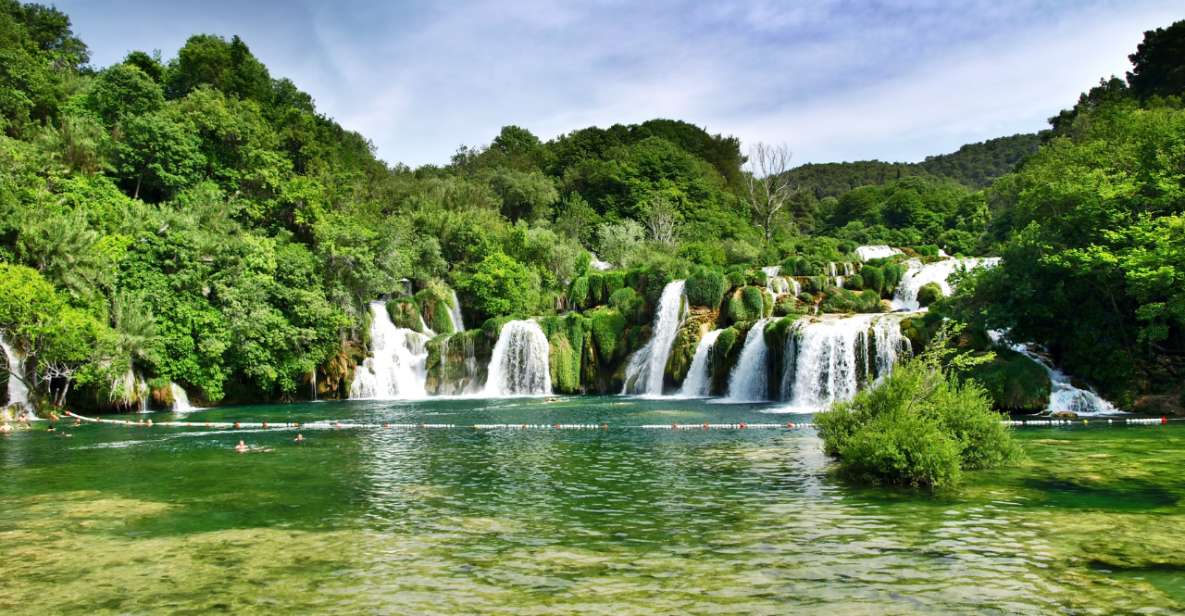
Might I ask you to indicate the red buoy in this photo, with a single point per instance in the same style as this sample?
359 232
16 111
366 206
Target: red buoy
1163 420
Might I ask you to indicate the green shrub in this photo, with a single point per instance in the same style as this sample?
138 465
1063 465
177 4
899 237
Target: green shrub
564 362
735 310
406 314
610 282
855 282
874 278
735 279
844 301
929 293
919 426
893 273
756 277
706 288
630 305
596 289
786 305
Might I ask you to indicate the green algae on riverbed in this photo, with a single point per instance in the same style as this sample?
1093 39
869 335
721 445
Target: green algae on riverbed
137 520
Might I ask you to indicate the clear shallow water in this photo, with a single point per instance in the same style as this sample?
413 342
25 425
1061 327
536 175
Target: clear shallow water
139 520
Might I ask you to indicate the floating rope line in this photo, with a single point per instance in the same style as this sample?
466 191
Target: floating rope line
338 425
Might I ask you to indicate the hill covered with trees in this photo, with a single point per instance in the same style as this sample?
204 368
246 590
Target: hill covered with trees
196 220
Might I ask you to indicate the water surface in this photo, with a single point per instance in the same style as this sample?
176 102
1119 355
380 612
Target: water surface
619 520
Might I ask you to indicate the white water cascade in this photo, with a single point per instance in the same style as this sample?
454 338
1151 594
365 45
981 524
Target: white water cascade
644 374
18 393
749 381
880 251
919 275
180 399
698 382
520 363
454 314
830 359
1063 395
397 366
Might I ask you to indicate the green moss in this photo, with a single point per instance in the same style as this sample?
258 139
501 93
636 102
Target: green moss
611 282
406 314
929 293
684 345
755 300
735 279
855 282
607 327
630 305
844 301
724 355
578 293
1015 382
873 278
596 289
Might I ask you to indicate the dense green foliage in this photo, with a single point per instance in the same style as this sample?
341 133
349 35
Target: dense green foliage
919 426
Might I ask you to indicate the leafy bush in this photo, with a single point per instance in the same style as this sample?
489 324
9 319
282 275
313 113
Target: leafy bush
736 279
929 293
843 301
578 293
919 426
630 305
500 285
855 282
755 300
1015 382
705 288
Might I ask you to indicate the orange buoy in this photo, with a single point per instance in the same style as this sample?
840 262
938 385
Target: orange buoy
237 426
705 425
265 425
743 426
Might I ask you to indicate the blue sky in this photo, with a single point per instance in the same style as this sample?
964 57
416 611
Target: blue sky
834 80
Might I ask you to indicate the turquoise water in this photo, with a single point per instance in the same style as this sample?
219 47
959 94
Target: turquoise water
621 520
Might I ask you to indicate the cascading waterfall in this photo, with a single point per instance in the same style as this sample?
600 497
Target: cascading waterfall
180 399
698 382
775 283
830 359
519 365
644 374
1063 395
18 393
880 251
397 366
918 275
454 314
749 381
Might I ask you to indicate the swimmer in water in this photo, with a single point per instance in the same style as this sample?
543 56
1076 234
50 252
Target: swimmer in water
241 447
299 438
5 428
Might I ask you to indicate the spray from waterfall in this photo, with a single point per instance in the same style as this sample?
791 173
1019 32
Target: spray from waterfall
397 366
180 399
520 362
698 382
644 373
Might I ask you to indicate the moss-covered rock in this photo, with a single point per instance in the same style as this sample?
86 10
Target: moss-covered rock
855 282
873 278
405 313
1015 382
435 303
929 293
566 337
706 289
844 301
578 293
607 327
725 353
684 345
631 305
920 329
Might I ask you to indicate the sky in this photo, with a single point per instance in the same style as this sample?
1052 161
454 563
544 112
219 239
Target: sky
833 80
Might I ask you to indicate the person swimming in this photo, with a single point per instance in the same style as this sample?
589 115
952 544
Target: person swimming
5 428
299 438
241 447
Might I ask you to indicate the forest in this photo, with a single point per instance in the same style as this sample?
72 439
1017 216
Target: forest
196 220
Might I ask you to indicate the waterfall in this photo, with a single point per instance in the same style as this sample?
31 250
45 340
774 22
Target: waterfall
454 314
644 374
180 399
830 359
18 392
1063 396
396 368
519 365
919 275
699 375
749 381
774 283
879 251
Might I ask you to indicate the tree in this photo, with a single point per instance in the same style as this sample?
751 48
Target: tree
769 188
500 285
1158 65
662 220
158 155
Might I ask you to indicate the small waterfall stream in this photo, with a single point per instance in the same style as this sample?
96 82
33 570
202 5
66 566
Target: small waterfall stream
396 368
698 382
878 251
18 393
1063 395
749 381
644 374
830 359
520 362
454 314
919 275
180 399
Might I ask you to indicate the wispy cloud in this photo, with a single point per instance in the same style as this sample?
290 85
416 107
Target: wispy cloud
836 80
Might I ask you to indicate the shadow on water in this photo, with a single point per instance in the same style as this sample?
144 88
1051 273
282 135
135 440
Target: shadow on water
1130 495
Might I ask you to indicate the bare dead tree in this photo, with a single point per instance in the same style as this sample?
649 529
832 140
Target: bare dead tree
662 220
769 186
